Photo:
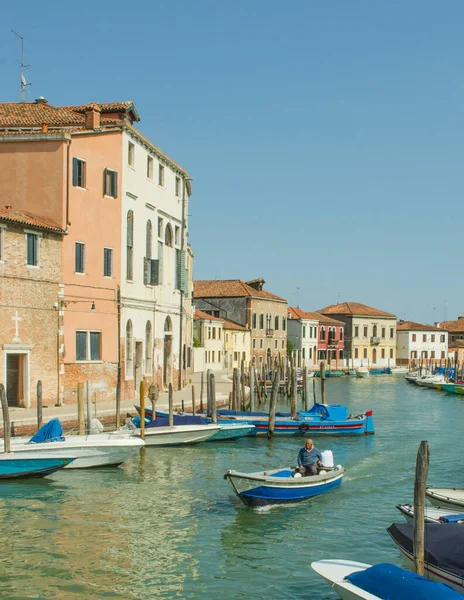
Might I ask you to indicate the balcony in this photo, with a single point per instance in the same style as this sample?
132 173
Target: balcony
332 343
269 332
375 341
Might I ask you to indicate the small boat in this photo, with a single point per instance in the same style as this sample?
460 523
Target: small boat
444 559
450 388
281 486
21 466
399 370
386 371
330 374
412 376
446 497
432 514
227 430
158 433
350 580
362 372
430 381
322 419
94 450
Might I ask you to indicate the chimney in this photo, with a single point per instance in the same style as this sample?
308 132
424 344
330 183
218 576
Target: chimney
44 127
41 100
92 116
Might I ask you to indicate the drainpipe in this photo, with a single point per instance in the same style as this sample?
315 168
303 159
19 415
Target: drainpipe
118 383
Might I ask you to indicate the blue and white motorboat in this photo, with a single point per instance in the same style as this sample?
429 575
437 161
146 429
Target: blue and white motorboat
351 580
20 466
322 419
282 486
432 514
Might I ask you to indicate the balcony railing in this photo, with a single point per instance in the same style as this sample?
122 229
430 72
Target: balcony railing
375 341
332 343
269 332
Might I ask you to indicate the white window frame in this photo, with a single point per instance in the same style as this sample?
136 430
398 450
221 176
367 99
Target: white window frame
79 187
150 167
38 235
111 266
83 258
131 154
161 175
87 345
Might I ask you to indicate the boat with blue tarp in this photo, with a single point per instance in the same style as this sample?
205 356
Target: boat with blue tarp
350 580
322 419
282 486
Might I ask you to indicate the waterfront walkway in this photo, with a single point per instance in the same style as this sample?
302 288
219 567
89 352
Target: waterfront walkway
24 420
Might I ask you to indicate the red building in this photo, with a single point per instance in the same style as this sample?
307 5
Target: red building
330 340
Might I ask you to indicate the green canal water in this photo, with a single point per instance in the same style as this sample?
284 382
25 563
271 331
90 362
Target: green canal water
166 524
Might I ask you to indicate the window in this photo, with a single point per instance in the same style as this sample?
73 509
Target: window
276 323
177 235
340 354
131 154
235 338
261 344
374 331
442 340
414 337
254 344
383 332
227 337
214 333
322 333
149 233
79 260
178 187
32 249
383 352
356 353
168 238
129 349
253 321
148 348
304 331
356 331
432 338
110 183
310 353
365 334
391 352
88 345
283 344
275 345
432 354
160 227
341 334
161 175
107 262
261 321
424 337
130 246
392 332
365 352
78 176
442 354
213 353
283 323
149 167
219 333
414 354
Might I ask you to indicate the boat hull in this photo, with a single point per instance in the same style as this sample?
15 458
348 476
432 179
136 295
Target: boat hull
452 388
306 427
432 514
263 490
90 451
335 571
446 498
22 467
178 435
232 431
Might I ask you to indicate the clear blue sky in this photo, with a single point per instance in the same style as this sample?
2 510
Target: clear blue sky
325 138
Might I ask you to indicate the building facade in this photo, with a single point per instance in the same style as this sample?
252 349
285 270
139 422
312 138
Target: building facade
370 334
330 342
237 345
415 341
209 344
252 307
455 329
302 332
30 319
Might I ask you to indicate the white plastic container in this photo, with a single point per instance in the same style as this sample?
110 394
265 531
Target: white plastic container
327 458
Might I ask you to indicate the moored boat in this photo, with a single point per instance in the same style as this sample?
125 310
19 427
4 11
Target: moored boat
159 433
31 465
432 514
350 580
282 486
446 497
430 381
451 388
362 372
444 560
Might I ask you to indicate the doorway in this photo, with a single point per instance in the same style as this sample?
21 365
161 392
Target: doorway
15 380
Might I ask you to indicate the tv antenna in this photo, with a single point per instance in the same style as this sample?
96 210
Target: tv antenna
24 85
298 297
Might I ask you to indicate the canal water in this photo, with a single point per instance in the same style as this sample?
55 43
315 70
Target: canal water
167 525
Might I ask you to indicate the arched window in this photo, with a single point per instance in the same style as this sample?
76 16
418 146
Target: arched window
168 236
276 323
168 325
341 334
374 331
148 348
261 321
129 349
149 238
130 246
322 333
284 323
253 321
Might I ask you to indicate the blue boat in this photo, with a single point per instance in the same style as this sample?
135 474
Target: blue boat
282 486
19 466
386 371
322 419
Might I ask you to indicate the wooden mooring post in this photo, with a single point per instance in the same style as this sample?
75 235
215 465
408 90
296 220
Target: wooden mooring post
212 385
323 382
80 409
314 390
305 390
273 404
6 420
294 394
142 409
201 393
171 406
88 393
242 384
194 408
420 482
252 389
39 405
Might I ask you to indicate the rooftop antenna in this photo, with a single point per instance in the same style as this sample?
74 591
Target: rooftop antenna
298 297
24 85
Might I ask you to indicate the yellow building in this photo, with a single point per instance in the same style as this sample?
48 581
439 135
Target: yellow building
237 345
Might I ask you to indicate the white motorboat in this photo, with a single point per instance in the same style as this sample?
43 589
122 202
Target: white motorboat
94 450
355 580
446 497
362 372
399 370
177 435
430 381
432 514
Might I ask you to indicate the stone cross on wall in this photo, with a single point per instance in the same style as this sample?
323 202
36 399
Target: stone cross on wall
17 320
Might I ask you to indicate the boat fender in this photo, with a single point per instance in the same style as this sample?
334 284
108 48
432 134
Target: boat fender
303 427
322 472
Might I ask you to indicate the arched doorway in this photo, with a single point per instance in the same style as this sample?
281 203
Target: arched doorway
374 356
167 356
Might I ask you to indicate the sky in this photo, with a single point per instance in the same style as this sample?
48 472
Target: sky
324 138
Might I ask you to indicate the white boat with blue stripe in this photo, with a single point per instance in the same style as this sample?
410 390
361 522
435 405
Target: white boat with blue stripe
282 486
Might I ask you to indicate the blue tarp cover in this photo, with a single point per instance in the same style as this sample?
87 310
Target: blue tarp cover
319 409
452 518
390 582
50 432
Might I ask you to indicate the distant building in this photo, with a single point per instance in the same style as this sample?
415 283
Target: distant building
31 341
455 329
370 333
249 305
237 345
208 342
416 341
302 332
456 351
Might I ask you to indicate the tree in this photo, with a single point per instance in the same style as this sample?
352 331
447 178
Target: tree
290 348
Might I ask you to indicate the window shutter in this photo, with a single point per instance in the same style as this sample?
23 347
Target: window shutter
114 176
154 272
146 269
105 190
160 261
74 175
178 270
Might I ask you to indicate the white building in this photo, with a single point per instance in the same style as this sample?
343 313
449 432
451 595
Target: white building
415 341
302 328
209 342
154 278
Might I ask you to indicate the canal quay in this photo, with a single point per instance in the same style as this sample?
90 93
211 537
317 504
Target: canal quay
167 525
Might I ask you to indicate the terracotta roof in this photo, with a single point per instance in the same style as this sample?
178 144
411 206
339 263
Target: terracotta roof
453 326
456 344
355 309
202 316
232 325
109 107
297 313
412 326
25 218
230 288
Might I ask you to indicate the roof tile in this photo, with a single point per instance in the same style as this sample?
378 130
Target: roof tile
354 309
230 288
297 313
412 326
25 218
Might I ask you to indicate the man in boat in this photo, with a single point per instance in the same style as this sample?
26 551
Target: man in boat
309 458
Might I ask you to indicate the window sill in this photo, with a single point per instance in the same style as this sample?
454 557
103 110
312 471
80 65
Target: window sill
130 281
32 266
78 187
107 277
91 362
109 196
131 167
79 273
